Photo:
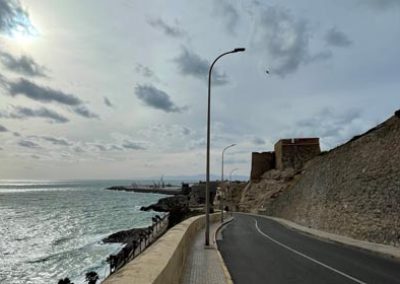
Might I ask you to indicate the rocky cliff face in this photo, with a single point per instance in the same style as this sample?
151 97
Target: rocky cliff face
352 190
258 195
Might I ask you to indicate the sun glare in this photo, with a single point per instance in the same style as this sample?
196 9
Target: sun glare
22 37
23 31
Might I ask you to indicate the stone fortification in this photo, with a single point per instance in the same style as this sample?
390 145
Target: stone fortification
293 153
352 190
260 163
289 154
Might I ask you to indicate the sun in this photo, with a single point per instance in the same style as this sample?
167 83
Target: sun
23 36
21 30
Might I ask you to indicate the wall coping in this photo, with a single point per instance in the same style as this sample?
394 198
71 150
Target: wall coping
164 260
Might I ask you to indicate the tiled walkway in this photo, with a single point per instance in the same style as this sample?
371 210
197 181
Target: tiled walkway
204 265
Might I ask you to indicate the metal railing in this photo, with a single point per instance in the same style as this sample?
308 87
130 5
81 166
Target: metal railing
145 237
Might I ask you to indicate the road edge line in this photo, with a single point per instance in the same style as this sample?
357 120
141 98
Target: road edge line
386 251
348 276
227 275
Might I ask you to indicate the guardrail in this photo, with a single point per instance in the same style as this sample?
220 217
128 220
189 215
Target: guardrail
146 237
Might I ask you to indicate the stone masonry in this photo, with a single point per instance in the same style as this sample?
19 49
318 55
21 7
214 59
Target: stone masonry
293 153
352 190
260 163
289 153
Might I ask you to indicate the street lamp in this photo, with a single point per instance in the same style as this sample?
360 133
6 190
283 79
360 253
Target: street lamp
230 175
207 234
222 179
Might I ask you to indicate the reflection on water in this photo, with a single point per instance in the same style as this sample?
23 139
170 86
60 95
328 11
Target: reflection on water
52 230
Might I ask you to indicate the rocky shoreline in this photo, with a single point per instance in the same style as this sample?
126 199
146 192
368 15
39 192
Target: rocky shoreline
164 190
175 207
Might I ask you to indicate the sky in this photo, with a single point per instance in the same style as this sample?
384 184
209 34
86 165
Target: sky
111 89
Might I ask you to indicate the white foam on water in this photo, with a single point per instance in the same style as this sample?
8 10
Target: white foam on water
53 230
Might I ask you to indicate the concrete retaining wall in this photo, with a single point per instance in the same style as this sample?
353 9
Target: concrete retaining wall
163 262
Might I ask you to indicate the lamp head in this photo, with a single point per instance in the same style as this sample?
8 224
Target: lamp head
239 49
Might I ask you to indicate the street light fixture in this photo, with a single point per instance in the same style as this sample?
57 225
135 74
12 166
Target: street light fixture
230 175
207 209
222 179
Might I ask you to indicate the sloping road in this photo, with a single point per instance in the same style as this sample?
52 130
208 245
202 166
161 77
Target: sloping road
260 250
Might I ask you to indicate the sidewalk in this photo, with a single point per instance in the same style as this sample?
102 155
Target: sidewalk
204 265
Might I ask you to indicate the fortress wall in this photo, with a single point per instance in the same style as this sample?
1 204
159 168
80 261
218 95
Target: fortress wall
260 163
293 153
353 190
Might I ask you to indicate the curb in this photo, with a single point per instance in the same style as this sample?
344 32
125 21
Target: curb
374 248
228 276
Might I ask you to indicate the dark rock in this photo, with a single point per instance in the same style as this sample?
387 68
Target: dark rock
397 113
168 204
127 236
177 206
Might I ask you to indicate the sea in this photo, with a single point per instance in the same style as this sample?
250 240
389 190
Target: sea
50 230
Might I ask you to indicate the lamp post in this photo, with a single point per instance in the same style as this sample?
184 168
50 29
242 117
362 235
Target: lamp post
222 179
230 175
207 209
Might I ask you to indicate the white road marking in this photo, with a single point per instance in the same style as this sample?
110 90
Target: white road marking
308 257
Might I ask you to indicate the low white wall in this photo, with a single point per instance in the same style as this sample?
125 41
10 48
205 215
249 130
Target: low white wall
162 262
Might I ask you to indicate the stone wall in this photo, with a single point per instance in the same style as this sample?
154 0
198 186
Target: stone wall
353 190
197 194
260 163
293 153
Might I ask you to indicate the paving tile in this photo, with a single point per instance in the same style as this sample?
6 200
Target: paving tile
203 265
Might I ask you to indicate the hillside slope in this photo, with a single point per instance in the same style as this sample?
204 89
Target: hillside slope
352 190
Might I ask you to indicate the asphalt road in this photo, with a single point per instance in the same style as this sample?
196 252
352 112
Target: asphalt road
259 250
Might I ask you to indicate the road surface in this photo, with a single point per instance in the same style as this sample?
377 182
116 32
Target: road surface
260 250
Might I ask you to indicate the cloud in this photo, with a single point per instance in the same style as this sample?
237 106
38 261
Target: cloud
78 149
228 13
28 144
56 141
107 102
381 4
320 56
24 65
104 147
14 19
171 31
337 38
47 95
98 146
258 141
156 98
43 94
84 111
191 64
186 131
3 129
285 39
333 127
127 144
24 112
